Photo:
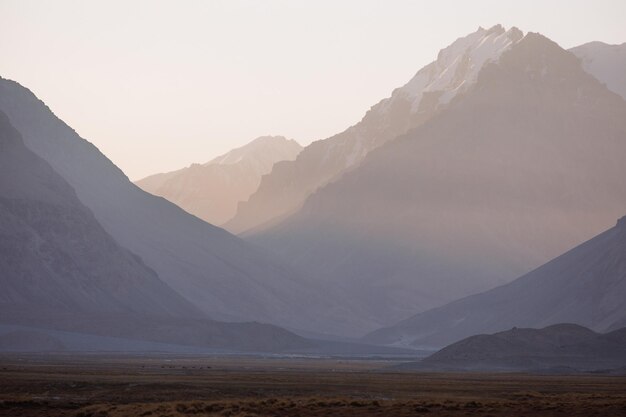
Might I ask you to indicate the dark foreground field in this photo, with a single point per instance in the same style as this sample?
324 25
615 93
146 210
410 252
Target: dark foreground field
241 386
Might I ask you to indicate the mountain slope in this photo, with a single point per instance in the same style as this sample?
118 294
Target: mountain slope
212 190
284 190
222 275
55 255
586 286
522 167
565 347
605 62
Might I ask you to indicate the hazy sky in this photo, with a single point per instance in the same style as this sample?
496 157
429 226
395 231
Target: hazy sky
157 85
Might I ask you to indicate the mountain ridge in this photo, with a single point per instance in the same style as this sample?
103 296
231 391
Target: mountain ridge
213 190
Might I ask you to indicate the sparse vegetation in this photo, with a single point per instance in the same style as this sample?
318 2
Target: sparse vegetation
248 387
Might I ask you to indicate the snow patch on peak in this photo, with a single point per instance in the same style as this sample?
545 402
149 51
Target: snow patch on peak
458 65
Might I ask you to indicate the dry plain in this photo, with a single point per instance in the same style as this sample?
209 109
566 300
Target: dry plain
159 386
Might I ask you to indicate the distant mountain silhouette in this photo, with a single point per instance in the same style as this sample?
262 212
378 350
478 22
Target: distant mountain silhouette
605 62
586 285
558 348
213 190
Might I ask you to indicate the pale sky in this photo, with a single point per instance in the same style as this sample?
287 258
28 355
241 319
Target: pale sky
157 85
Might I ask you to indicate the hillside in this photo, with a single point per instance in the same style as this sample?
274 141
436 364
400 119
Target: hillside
586 286
560 348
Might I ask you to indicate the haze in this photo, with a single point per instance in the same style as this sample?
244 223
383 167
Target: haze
290 208
157 85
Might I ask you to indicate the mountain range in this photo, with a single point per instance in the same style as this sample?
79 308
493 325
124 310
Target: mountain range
503 153
525 164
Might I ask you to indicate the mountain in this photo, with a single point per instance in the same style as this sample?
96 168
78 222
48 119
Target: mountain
62 270
55 255
525 165
586 286
220 274
431 90
605 62
211 191
557 348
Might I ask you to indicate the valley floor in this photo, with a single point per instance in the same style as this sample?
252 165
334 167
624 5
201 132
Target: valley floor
159 385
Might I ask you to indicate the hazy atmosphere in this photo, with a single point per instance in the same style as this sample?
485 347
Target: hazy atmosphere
281 208
157 85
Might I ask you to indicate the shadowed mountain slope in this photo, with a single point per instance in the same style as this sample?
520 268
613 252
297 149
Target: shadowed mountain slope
54 254
586 286
219 273
61 270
